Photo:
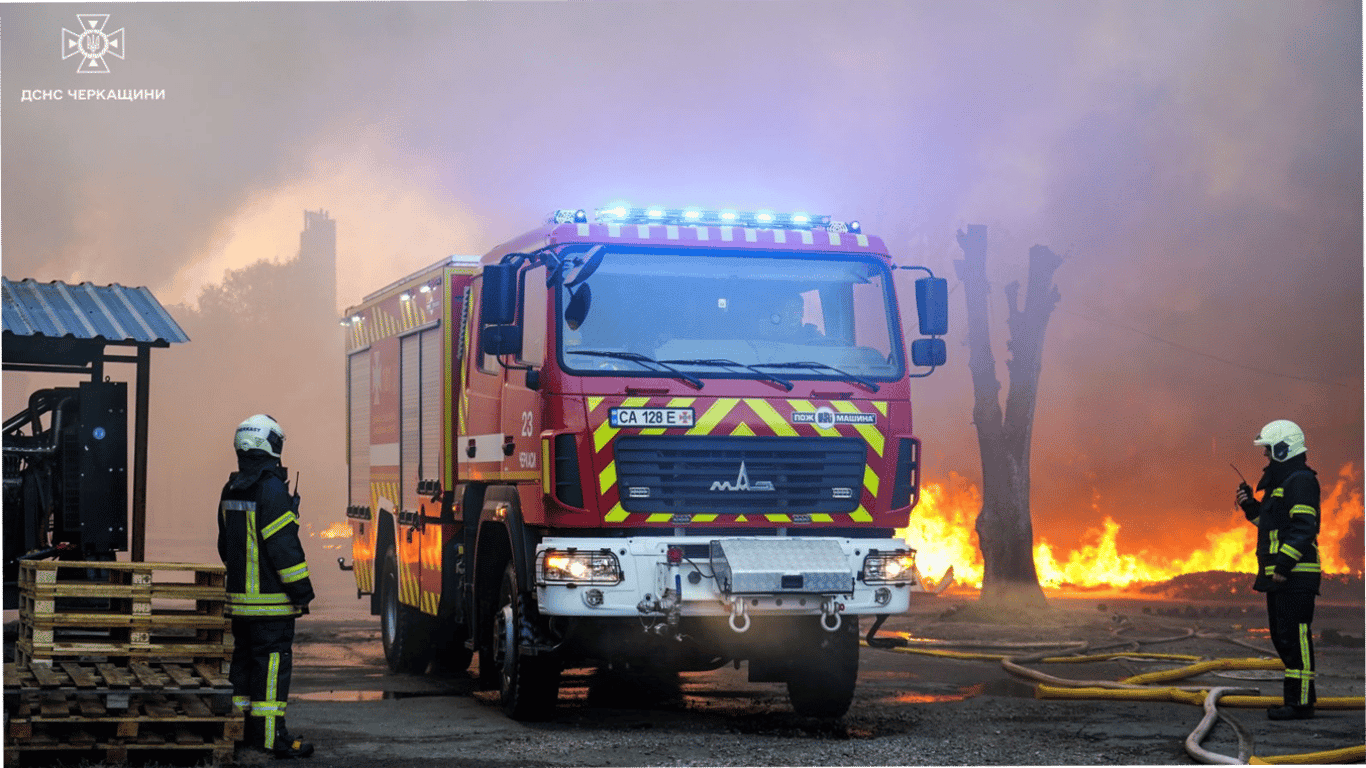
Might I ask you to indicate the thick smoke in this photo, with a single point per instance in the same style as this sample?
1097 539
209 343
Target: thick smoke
1198 165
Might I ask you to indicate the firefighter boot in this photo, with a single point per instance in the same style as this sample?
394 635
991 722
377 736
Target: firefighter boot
290 748
1290 712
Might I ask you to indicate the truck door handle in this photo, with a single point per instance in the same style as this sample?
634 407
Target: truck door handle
508 445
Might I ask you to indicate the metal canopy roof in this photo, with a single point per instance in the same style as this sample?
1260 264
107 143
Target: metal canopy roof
112 313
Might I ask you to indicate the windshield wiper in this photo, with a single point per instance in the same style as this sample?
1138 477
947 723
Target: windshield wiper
695 382
869 383
784 383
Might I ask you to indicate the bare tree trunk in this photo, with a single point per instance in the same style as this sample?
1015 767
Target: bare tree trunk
1004 530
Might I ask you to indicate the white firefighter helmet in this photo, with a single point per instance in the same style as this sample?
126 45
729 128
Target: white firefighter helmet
1284 438
260 432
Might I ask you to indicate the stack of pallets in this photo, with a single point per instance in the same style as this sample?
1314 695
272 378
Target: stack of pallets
120 661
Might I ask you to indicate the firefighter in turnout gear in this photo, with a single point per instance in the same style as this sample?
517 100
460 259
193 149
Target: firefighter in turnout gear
268 583
1288 570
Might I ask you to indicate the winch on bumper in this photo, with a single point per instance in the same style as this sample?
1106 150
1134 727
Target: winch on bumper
668 577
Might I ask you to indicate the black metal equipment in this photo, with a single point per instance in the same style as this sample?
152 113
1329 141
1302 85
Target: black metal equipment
66 454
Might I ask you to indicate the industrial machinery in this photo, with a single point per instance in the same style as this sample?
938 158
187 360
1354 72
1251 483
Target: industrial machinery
66 454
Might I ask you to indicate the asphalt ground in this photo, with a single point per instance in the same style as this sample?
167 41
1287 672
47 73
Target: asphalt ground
910 708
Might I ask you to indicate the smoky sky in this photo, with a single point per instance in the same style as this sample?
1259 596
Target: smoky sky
1197 165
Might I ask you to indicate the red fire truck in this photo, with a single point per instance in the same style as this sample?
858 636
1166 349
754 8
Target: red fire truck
642 440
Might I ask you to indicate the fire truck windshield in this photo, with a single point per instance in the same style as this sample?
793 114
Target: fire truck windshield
794 315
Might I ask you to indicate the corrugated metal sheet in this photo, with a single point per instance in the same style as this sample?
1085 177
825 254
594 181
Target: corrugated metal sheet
87 311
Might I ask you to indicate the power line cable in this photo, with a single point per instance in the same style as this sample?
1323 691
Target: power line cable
1216 358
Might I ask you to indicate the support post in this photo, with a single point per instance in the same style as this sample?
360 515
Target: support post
143 395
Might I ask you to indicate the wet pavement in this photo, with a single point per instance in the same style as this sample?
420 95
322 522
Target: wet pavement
909 709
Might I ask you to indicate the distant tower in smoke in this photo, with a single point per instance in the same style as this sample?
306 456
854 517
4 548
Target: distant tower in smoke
318 257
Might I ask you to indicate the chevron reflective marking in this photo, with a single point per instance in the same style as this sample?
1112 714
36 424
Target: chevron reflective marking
870 480
763 417
607 477
764 410
869 432
718 411
603 435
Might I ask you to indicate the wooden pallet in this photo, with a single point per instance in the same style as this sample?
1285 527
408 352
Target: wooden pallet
116 661
105 712
122 611
76 746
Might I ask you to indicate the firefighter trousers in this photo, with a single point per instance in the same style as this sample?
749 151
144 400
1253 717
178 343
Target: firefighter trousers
1290 614
262 662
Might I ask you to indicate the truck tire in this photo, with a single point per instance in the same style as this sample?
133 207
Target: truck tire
822 683
529 685
404 630
449 654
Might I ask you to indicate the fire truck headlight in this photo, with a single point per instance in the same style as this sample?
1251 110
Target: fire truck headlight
556 566
889 567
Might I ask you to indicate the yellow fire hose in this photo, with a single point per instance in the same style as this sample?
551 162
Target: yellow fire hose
1137 687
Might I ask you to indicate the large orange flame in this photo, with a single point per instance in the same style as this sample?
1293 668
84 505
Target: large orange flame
941 530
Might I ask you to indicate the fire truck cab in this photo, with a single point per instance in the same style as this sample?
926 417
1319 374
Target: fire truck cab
643 440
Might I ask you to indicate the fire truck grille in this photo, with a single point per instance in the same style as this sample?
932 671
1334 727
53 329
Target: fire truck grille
781 475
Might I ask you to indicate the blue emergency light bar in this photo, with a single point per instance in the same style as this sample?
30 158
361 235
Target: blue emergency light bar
703 217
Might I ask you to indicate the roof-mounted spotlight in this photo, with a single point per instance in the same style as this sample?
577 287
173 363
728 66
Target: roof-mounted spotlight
855 227
405 296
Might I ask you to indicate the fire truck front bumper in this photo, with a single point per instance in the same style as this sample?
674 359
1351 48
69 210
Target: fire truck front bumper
690 576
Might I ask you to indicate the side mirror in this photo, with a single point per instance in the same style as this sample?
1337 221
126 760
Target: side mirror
589 264
577 311
501 340
928 353
932 304
498 297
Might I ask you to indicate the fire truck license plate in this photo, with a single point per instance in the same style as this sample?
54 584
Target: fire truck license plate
651 417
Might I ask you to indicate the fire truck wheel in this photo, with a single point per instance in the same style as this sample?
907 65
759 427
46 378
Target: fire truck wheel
822 683
404 629
529 684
